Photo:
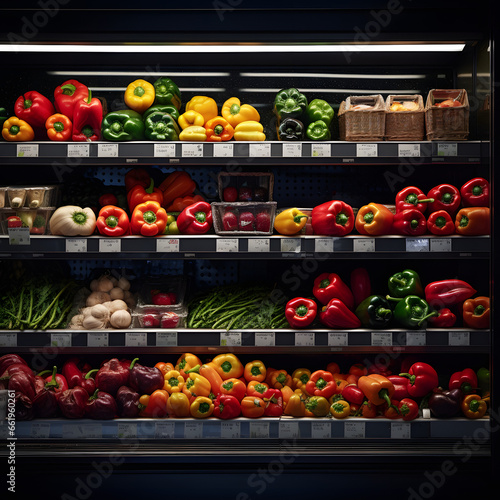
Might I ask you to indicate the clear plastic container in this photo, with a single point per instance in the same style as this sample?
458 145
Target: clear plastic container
3 190
36 219
165 320
35 196
155 296
17 196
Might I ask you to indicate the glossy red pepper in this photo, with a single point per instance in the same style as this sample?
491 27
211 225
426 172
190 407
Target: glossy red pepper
449 292
475 193
465 380
337 315
333 218
24 383
400 386
72 373
14 368
444 319
446 197
137 177
274 403
422 379
138 194
321 383
353 394
410 222
412 197
300 312
408 409
113 221
195 219
67 95
440 223
112 375
10 359
101 406
56 382
34 108
360 285
87 119
73 402
226 406
328 286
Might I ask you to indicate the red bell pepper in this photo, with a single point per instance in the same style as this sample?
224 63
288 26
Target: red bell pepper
195 219
444 319
392 412
138 194
422 379
465 380
56 382
24 383
10 359
14 368
34 108
87 119
410 222
72 373
274 403
475 193
300 312
148 219
360 285
448 292
353 394
400 387
412 197
108 199
112 221
328 286
226 406
440 223
88 383
67 95
73 402
112 375
333 218
101 406
337 315
408 409
137 177
446 197
321 383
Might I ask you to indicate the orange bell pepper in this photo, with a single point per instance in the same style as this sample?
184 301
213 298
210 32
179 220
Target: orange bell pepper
178 405
287 392
14 129
333 367
187 362
269 374
210 373
374 219
148 219
473 221
176 185
59 127
164 367
228 366
195 386
255 370
252 407
234 387
473 406
174 381
179 204
280 379
256 388
358 369
219 130
201 407
377 389
476 312
295 406
340 409
154 406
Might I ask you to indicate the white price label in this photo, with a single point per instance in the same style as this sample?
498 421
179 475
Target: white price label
110 245
40 430
230 338
321 430
224 150
264 339
292 150
164 430
166 339
8 340
78 151
338 338
230 430
400 430
288 430
19 235
363 245
227 245
171 245
416 338
193 430
107 150
447 149
381 338
366 150
408 150
259 245
259 430
97 339
192 150
323 245
259 150
459 338
92 431
417 244
304 339
136 339
76 245
60 339
354 430
440 244
426 413
292 245
164 150
27 150
72 431
126 431
321 150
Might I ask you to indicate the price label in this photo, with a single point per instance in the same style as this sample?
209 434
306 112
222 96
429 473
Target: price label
126 430
354 430
321 430
136 339
447 149
292 150
92 431
259 430
440 244
366 150
363 245
304 339
338 338
166 339
27 150
8 340
292 245
417 244
40 430
227 245
323 245
381 338
321 150
164 150
230 430
98 339
288 430
193 430
164 430
78 151
225 150
408 150
230 339
259 150
171 245
259 245
110 245
76 245
458 338
192 150
72 431
426 413
400 430
60 339
416 338
107 150
264 339
19 235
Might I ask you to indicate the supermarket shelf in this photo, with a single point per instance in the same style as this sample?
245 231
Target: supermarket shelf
210 246
188 153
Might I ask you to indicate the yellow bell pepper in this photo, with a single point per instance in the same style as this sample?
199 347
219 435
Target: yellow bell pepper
300 377
255 370
204 105
190 118
228 366
15 129
196 385
174 381
249 131
235 112
295 406
201 407
290 221
193 133
139 95
318 406
178 405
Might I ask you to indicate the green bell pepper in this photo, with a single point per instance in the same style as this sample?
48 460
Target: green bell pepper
3 115
411 311
289 103
374 312
291 129
167 92
123 125
318 131
405 283
161 127
162 108
318 109
483 380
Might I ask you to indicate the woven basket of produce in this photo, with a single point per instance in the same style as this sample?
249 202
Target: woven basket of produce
404 118
447 115
362 118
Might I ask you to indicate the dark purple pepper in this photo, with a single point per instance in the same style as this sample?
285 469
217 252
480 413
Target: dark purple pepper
111 376
445 404
101 406
145 379
127 402
73 402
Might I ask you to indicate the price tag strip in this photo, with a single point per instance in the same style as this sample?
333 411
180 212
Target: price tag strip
227 245
338 339
259 150
78 151
60 339
230 430
136 339
400 430
459 338
288 430
292 150
107 150
416 338
97 339
164 150
224 150
164 430
304 339
230 338
381 339
291 245
166 339
8 340
168 245
259 245
259 430
19 235
76 245
27 150
321 150
265 339
366 150
110 245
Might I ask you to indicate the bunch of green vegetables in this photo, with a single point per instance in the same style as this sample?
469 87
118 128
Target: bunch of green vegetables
238 307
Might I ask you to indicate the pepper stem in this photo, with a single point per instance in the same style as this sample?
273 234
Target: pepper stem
384 394
195 369
433 313
394 299
53 383
90 373
133 363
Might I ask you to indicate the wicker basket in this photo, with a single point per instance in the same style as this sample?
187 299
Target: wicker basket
448 124
404 125
219 209
362 124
